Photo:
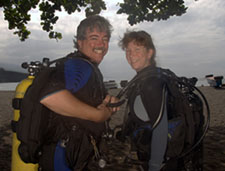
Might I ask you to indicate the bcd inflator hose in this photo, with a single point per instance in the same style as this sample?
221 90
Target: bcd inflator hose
116 104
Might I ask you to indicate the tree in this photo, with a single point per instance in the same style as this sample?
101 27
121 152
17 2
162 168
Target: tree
150 10
16 12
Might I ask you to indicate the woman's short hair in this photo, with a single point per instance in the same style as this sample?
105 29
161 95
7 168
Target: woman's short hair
141 38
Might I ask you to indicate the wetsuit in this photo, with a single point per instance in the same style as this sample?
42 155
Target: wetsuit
145 105
67 144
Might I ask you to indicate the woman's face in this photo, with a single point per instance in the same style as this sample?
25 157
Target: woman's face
138 56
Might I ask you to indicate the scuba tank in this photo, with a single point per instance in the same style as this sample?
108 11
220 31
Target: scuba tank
33 68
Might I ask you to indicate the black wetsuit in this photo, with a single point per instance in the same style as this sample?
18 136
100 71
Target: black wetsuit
85 82
145 105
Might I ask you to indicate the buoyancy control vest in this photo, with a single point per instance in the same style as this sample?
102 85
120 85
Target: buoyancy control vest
38 125
81 137
92 93
184 108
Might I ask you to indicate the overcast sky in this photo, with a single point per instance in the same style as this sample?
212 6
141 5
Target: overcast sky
190 45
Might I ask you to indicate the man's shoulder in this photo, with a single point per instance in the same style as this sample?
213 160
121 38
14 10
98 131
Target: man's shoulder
78 59
77 65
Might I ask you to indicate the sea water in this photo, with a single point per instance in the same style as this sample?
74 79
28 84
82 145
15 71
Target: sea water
8 86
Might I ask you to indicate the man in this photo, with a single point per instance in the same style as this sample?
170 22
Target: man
77 100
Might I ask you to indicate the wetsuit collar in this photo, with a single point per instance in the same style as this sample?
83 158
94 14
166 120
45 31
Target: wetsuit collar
150 67
81 55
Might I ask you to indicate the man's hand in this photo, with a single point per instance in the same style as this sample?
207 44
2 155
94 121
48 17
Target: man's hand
113 99
105 111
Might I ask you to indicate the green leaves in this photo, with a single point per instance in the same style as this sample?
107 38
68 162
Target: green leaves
48 18
16 12
95 7
55 35
150 10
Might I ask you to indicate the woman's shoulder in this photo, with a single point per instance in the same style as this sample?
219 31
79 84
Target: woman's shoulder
153 83
154 76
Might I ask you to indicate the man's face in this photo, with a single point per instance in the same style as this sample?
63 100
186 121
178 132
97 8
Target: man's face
95 45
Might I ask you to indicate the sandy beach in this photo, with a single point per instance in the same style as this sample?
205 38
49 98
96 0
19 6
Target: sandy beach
214 142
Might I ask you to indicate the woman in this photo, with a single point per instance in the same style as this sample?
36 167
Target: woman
146 100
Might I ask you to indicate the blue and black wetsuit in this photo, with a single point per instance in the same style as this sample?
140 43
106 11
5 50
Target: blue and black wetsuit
145 105
84 80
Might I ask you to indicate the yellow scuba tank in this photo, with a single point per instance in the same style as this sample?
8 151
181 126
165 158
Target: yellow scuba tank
17 164
33 68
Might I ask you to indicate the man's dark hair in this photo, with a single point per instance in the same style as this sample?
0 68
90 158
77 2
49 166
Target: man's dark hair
92 22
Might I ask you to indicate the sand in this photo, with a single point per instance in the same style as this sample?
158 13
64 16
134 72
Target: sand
214 142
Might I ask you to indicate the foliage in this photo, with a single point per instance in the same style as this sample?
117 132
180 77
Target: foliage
16 12
150 10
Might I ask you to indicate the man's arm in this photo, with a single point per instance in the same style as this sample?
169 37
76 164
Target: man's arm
64 103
